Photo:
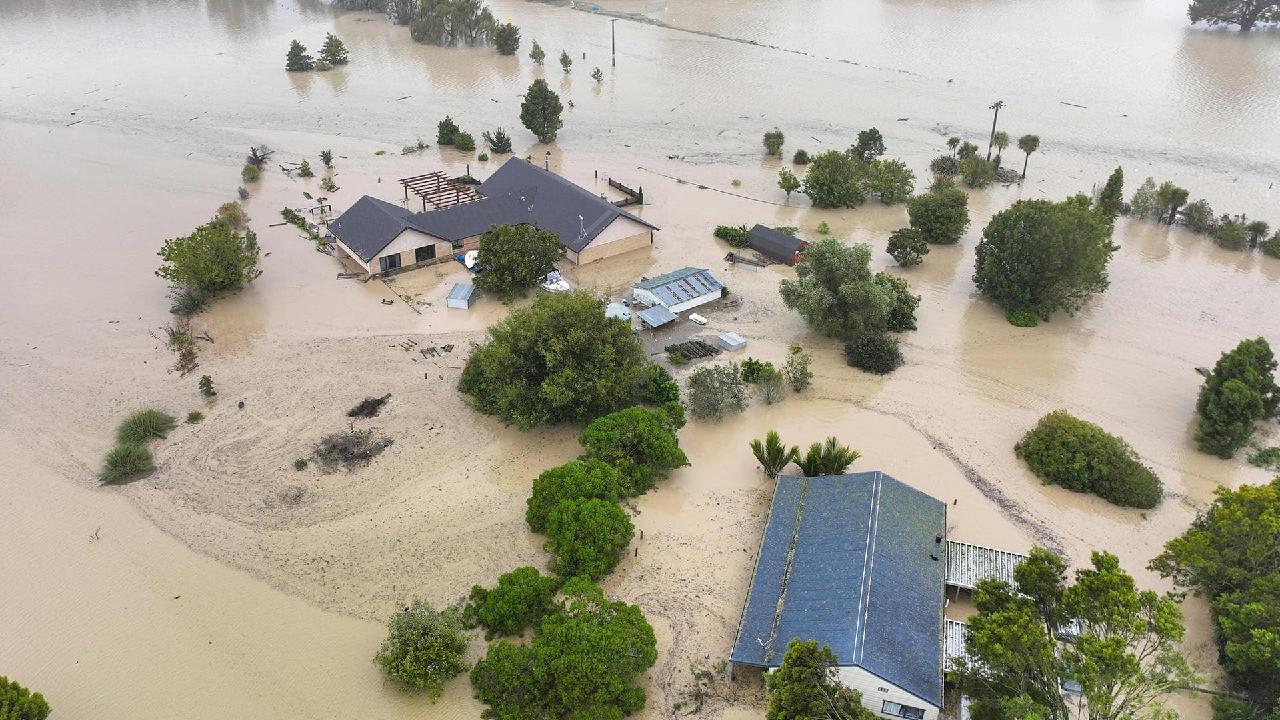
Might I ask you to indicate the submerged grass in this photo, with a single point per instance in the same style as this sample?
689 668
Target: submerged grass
126 461
144 425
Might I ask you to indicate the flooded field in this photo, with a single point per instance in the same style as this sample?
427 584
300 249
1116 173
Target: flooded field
228 580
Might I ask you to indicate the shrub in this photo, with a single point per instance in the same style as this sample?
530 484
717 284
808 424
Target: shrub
233 214
773 142
506 38
1266 458
735 235
326 158
890 180
566 62
1271 246
250 173
824 228
464 141
976 172
836 292
194 417
297 58
582 479
753 369
300 464
874 352
520 600
19 703
827 458
1240 391
126 461
587 537
529 375
796 370
516 258
945 165
675 413
215 258
540 111
907 246
940 215
1198 217
1022 318
499 142
143 425
483 157
1231 234
304 170
800 158
771 385
206 386
657 387
639 442
537 54
424 648
446 131
716 391
1081 456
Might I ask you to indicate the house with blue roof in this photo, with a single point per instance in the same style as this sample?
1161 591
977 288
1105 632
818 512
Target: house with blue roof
857 563
384 238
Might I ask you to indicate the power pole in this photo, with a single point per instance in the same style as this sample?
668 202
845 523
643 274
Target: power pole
613 33
997 105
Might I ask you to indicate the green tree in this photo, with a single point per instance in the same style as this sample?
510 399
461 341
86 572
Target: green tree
536 54
941 216
326 158
1126 657
450 22
1257 231
19 703
657 387
903 315
1169 198
716 391
1083 457
424 648
870 145
506 38
1199 217
333 52
1231 233
521 599
1245 13
516 258
1001 140
1240 391
837 294
801 157
499 142
213 259
540 111
835 180
587 537
558 360
953 143
1143 203
582 479
977 172
1271 247
772 455
446 131
597 75
875 352
1111 199
297 59
788 182
827 458
304 169
639 442
966 150
1028 144
806 687
566 62
796 369
907 246
890 180
773 142
1044 257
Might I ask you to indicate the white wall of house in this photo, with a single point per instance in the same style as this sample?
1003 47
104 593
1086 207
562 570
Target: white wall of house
404 245
621 235
876 690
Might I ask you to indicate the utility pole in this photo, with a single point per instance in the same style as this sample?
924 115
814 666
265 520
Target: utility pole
613 33
997 105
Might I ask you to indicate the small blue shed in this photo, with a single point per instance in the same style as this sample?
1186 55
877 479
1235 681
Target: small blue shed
461 296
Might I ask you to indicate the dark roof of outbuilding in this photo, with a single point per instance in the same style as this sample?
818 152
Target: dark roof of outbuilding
848 561
777 245
369 225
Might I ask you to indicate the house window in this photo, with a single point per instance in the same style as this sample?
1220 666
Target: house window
424 253
387 263
893 709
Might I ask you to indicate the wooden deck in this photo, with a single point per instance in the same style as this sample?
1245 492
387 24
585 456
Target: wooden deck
954 634
967 564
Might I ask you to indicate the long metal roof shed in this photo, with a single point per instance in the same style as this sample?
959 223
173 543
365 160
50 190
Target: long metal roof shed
855 563
656 316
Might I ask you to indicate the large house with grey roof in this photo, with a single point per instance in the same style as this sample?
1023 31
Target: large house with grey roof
857 563
383 238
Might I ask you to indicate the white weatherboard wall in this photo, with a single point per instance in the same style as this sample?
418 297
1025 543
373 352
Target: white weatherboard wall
875 690
622 235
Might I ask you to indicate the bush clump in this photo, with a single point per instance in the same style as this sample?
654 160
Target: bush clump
1239 392
716 391
126 461
521 599
1022 318
1080 456
194 417
19 703
575 480
874 352
639 442
587 537
143 425
424 647
735 235
657 387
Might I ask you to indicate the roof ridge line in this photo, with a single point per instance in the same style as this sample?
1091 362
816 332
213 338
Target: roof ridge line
772 647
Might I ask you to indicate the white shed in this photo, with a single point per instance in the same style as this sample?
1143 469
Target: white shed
681 290
461 295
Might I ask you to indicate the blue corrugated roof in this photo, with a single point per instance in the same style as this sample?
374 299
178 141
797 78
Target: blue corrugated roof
681 285
847 560
462 291
656 316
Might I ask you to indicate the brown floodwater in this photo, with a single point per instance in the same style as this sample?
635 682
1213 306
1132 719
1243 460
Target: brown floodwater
228 569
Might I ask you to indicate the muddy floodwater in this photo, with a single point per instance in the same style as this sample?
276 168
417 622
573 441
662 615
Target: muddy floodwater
229 584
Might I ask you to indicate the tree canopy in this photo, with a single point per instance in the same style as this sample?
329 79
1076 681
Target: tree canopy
1125 658
521 599
215 258
639 442
506 38
870 145
805 687
716 391
297 58
575 480
907 246
835 180
540 111
1240 391
1111 199
1044 257
587 537
19 703
424 648
1083 457
1244 13
333 52
515 258
558 360
836 292
940 215
450 22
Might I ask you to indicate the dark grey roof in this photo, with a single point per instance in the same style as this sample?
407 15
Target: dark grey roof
681 285
556 202
369 226
777 245
474 218
861 579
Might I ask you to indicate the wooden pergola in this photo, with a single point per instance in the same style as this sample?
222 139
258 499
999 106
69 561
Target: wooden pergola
439 190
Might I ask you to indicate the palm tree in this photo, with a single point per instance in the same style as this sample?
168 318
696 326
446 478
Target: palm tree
811 463
837 458
1001 141
1028 144
772 455
953 143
